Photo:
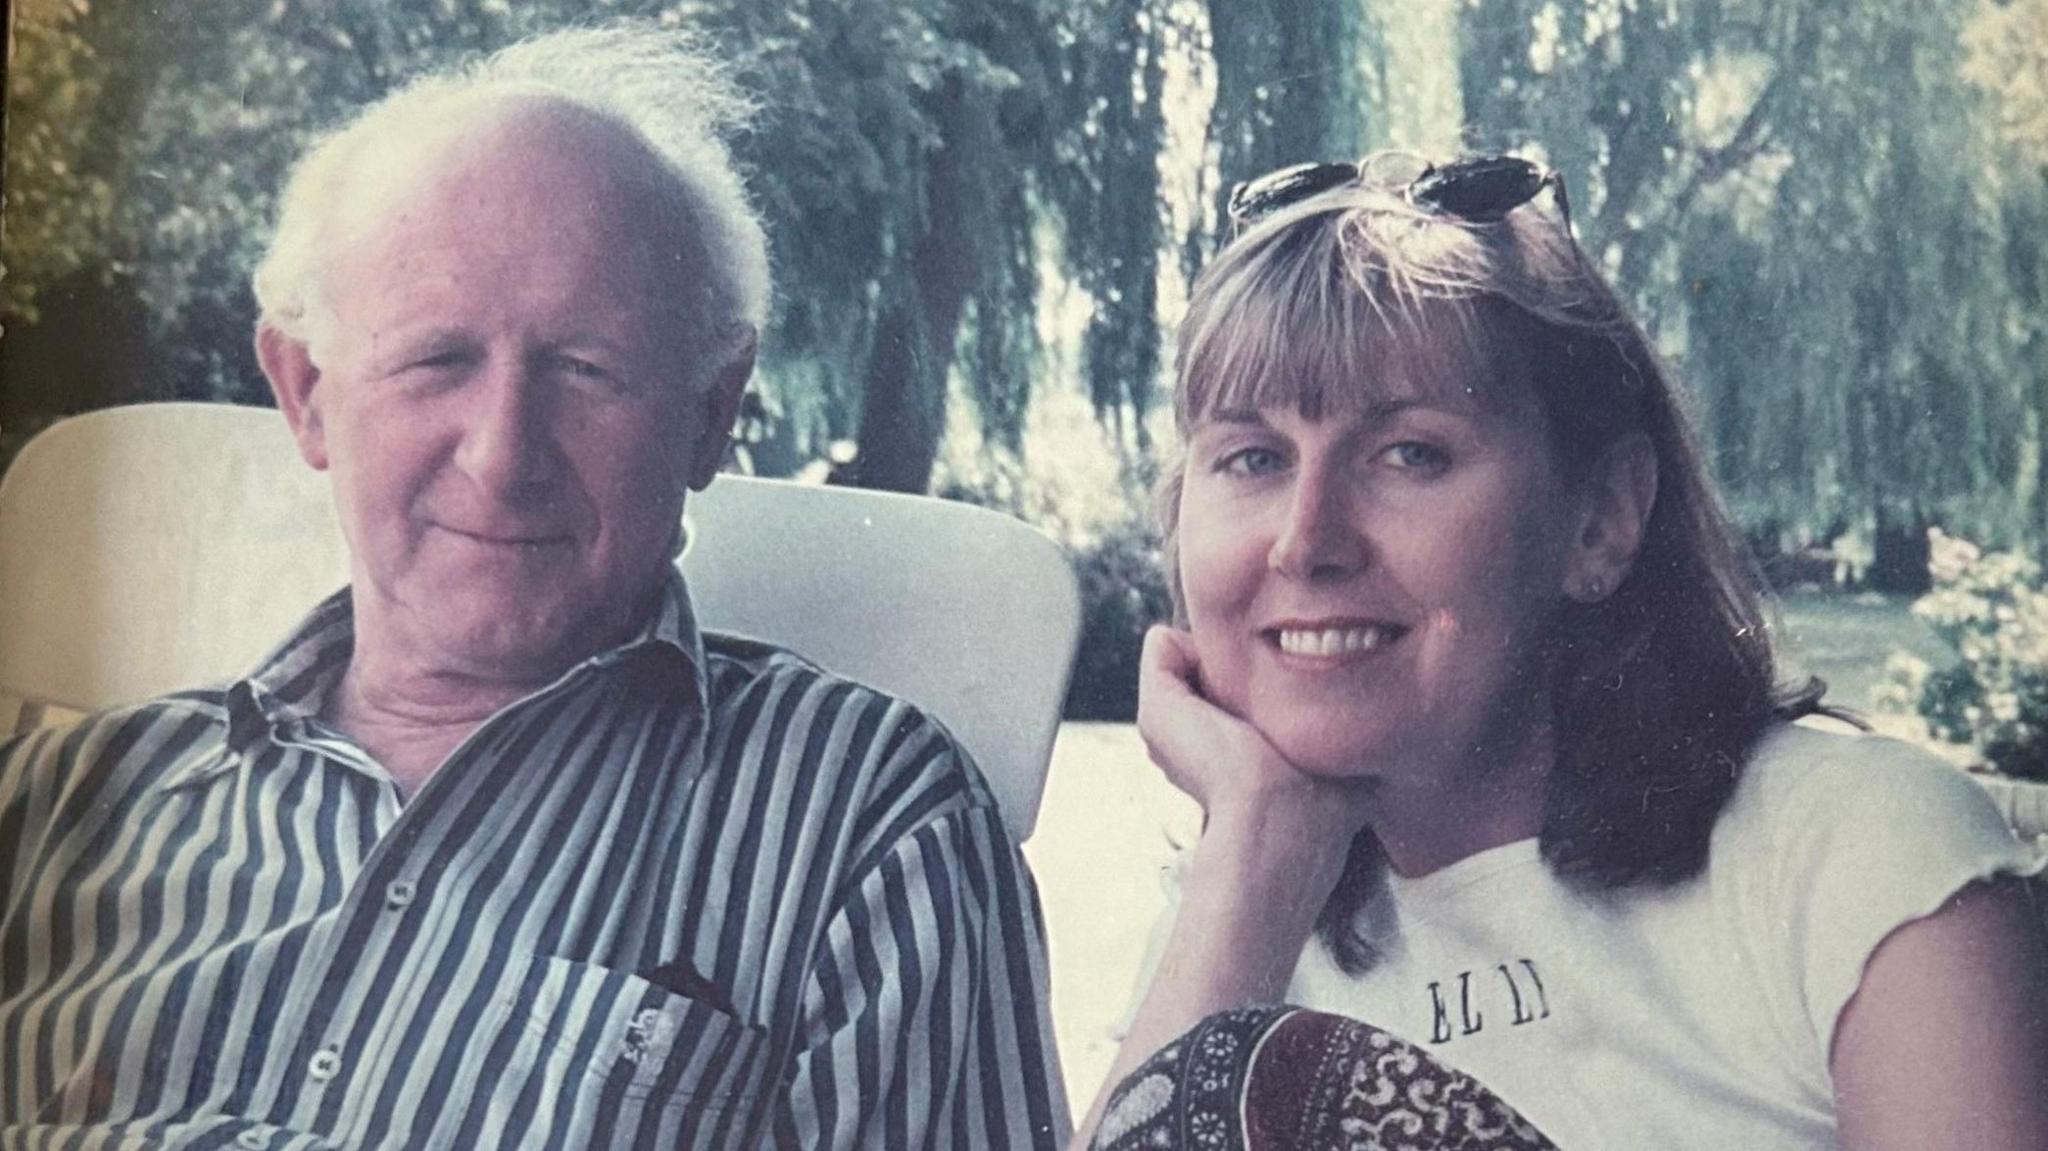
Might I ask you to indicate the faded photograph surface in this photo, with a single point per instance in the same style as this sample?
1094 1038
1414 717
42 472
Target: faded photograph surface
999 574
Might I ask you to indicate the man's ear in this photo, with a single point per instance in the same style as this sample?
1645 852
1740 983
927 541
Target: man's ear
295 381
1619 495
718 404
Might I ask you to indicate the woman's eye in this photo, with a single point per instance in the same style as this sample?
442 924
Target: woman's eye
1250 462
1416 456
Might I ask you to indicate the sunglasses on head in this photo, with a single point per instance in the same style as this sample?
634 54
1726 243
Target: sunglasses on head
1479 189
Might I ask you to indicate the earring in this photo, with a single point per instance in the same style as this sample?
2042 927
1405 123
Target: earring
1593 589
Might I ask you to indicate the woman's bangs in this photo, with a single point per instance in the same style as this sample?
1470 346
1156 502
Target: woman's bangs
1307 336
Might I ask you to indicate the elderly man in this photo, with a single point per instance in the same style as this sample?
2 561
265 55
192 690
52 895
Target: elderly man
498 849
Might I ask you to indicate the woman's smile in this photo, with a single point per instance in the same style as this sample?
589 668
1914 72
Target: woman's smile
1318 644
1370 589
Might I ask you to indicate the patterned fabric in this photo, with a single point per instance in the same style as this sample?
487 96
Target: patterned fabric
1284 1079
696 893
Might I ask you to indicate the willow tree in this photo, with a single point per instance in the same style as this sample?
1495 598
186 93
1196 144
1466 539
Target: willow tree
1103 186
896 161
901 151
1798 197
1291 84
1643 108
2007 58
1886 229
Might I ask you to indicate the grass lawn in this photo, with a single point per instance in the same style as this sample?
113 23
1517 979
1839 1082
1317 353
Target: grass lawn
1845 639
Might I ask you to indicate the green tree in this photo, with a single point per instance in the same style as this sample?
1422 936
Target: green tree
1799 197
897 161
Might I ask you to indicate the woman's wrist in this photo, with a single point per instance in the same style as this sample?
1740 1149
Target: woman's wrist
1298 836
1259 879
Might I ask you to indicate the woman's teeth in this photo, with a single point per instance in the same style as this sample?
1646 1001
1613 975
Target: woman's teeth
1333 640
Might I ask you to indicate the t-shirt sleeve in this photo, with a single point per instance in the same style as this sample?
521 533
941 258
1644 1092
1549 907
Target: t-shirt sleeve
1867 835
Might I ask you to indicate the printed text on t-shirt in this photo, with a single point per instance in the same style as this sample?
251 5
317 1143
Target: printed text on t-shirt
1524 998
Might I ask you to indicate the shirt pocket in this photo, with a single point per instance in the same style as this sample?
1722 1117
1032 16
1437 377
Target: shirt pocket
624 1062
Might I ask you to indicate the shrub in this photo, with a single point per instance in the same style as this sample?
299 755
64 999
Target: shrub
1992 608
1123 592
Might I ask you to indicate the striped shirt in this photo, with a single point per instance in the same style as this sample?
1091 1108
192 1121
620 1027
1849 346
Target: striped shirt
695 893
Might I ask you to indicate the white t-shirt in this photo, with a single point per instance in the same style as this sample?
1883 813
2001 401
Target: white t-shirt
1698 1016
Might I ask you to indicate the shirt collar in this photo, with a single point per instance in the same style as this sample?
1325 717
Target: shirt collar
290 685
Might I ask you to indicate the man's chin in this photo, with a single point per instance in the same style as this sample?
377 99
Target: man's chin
524 635
511 648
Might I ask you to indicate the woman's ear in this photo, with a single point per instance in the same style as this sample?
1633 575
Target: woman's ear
294 380
1613 516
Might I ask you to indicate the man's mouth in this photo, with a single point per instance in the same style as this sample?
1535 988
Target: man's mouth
1329 641
507 538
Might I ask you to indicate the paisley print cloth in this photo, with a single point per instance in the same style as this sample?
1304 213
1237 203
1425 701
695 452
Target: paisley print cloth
1274 1078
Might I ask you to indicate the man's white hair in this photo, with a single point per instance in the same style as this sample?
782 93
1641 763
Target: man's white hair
662 86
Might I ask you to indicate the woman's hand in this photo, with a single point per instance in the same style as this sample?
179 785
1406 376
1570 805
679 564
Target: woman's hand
1244 784
1274 841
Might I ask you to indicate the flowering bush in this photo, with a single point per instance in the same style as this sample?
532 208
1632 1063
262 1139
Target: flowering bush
1992 607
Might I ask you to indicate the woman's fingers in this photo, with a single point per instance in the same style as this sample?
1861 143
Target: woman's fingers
1174 720
1204 750
1222 761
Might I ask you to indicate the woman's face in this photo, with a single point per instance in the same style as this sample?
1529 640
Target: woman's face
1370 589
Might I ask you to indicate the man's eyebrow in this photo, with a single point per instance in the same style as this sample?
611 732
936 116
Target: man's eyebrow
391 347
414 335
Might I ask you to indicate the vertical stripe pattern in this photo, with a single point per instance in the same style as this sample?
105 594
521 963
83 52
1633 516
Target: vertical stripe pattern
696 893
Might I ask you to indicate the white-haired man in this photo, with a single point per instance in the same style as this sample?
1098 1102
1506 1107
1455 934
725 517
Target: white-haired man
497 849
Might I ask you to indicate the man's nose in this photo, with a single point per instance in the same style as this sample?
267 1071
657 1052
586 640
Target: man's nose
507 445
1319 537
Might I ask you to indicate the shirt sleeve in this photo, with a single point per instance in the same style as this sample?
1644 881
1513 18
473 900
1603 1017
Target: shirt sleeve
33 769
927 1020
16 760
1872 835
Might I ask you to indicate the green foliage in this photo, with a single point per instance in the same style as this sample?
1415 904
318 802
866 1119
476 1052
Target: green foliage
1993 609
55 219
1103 181
897 159
1829 215
1288 85
1809 207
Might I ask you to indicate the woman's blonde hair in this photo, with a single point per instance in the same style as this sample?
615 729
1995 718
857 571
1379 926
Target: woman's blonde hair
1659 689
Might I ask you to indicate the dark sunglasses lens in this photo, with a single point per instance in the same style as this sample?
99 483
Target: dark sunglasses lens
1483 189
1275 190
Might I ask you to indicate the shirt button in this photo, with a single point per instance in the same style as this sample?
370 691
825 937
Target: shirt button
400 894
254 1138
325 1064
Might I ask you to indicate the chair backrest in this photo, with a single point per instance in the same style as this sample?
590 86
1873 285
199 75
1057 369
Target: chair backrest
150 548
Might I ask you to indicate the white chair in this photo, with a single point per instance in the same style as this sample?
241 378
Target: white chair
149 548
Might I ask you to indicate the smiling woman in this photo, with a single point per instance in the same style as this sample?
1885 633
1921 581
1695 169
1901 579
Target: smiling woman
1478 697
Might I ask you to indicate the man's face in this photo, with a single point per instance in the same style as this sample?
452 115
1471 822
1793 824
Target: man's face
506 391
